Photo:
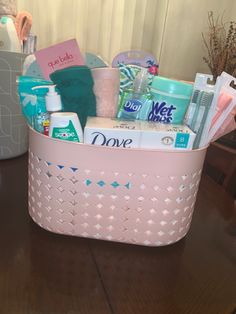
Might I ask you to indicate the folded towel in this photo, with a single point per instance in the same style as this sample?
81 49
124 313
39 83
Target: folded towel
75 85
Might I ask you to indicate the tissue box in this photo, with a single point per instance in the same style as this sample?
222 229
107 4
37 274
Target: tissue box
112 132
166 136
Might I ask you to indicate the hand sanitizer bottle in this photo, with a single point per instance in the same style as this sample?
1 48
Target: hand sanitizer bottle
53 104
133 100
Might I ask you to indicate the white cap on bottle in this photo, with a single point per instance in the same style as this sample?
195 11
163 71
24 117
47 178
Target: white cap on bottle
53 99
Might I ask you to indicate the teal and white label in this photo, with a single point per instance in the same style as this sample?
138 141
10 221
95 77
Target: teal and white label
181 140
67 133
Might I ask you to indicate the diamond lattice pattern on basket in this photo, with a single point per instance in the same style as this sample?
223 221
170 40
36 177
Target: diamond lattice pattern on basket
136 208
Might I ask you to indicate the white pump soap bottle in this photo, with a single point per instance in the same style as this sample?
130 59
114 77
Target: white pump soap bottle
53 104
53 99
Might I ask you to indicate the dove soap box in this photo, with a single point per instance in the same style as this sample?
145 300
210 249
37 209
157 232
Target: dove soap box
166 136
112 132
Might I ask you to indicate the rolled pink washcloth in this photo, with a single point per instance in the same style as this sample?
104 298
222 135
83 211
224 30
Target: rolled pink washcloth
106 89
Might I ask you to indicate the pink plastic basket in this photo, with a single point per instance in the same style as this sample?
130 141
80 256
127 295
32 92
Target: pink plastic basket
135 196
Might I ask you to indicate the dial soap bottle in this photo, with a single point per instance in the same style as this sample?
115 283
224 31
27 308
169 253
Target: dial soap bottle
132 101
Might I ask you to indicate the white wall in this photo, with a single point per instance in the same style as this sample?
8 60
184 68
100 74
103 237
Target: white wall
182 50
170 29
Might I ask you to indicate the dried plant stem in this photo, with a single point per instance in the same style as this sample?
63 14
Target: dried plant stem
220 44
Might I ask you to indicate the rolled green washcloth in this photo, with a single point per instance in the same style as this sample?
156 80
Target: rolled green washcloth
75 85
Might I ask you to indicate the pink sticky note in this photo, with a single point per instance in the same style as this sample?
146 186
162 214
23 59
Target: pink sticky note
58 57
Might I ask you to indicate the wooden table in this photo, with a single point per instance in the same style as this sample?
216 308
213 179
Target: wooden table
220 163
41 272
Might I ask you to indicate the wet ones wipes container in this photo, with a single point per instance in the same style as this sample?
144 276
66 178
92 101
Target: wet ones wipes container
170 100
